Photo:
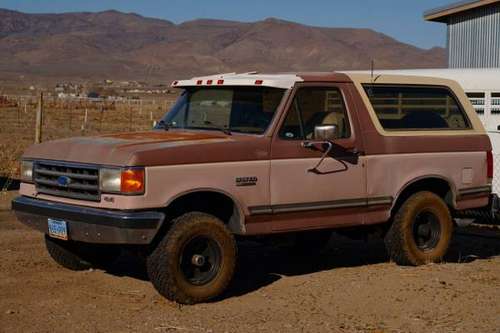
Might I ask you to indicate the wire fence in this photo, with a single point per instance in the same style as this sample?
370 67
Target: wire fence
67 118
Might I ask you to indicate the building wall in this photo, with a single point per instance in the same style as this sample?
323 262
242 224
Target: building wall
474 38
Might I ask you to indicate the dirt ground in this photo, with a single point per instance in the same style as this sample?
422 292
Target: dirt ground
351 287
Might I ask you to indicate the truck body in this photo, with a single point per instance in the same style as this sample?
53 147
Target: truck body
302 153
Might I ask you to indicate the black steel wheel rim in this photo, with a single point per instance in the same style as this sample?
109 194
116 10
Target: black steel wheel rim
426 230
200 260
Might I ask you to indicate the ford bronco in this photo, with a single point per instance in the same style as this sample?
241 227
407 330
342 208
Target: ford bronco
253 155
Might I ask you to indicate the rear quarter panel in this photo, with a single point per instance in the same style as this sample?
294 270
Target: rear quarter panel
390 174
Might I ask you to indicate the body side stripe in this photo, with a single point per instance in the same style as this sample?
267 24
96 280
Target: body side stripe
286 208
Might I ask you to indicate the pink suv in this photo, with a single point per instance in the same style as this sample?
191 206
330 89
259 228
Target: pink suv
294 155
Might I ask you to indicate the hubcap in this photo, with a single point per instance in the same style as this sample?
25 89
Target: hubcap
200 260
426 230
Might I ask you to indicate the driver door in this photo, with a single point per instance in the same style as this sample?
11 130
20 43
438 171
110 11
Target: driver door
333 194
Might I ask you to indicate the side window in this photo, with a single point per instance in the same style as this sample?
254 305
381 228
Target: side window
313 106
402 107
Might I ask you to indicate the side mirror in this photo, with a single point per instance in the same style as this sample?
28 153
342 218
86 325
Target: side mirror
325 132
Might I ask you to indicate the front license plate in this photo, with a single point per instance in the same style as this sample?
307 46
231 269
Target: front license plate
58 229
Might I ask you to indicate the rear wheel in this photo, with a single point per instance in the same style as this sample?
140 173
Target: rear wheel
79 256
195 261
421 230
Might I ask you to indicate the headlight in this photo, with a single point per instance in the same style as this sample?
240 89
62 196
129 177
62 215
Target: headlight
110 180
124 181
27 171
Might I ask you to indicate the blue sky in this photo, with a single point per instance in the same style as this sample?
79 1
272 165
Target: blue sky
401 19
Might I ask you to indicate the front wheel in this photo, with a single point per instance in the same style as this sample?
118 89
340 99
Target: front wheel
421 230
195 261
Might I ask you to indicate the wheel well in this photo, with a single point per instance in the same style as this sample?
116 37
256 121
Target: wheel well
435 185
210 202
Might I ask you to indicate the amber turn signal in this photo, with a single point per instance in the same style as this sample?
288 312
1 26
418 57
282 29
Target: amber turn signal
132 181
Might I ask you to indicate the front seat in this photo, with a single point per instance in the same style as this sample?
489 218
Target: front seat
335 118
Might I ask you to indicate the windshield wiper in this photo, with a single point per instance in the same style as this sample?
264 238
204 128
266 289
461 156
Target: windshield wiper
162 124
226 131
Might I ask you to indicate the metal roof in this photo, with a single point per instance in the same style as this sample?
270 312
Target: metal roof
440 14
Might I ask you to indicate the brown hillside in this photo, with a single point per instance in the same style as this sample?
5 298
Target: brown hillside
128 46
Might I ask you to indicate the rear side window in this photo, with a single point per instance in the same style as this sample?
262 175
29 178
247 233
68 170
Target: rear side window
405 108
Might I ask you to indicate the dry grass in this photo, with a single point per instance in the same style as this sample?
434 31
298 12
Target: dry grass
67 119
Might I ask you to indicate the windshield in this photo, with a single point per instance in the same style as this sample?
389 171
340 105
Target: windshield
235 109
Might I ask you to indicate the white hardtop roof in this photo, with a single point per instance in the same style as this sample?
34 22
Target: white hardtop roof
284 81
471 79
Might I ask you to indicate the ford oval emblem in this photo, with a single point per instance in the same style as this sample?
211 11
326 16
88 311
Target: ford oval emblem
63 181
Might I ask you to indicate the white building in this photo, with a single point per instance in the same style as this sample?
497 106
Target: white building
473 39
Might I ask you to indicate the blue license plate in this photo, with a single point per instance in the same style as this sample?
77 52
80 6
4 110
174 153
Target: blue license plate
58 229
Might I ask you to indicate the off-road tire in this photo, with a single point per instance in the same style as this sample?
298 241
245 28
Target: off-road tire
400 239
164 263
79 256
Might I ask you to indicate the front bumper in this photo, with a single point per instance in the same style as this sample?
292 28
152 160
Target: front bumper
92 225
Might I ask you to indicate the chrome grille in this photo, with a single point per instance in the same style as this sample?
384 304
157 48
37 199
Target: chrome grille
67 180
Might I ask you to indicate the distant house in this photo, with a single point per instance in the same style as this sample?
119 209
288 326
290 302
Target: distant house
473 32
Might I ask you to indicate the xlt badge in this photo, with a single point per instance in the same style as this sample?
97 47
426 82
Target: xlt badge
246 181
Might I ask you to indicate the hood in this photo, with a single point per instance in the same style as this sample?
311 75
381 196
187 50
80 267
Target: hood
151 148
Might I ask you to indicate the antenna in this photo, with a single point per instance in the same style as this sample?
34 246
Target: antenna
373 79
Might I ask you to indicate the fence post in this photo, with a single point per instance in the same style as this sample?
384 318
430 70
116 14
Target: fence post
18 115
39 119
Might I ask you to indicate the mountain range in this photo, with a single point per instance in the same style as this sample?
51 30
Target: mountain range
118 45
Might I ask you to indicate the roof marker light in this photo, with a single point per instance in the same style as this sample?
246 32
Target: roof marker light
209 81
220 81
258 82
199 82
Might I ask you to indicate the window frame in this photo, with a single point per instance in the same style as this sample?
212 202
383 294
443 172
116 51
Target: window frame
397 131
290 107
